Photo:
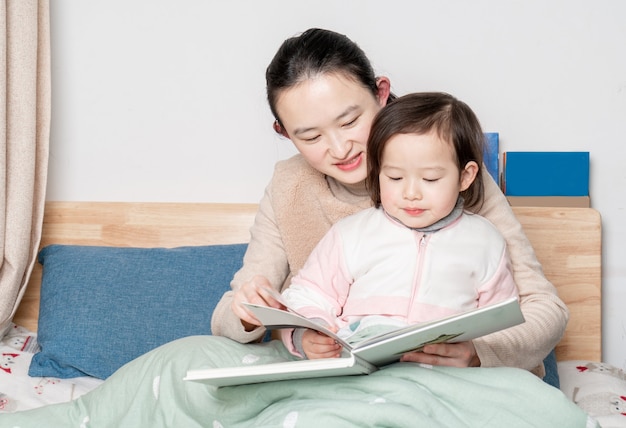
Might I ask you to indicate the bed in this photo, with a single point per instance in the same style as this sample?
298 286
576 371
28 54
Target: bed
154 234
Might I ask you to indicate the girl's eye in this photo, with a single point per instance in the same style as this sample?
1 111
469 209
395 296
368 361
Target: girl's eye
394 178
431 180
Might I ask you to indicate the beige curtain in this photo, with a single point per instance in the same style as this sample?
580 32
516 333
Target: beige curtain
24 136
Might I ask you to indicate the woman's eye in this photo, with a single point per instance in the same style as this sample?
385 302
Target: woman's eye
352 122
430 180
312 139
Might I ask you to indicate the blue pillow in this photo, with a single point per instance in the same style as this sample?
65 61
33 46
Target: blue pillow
101 307
552 372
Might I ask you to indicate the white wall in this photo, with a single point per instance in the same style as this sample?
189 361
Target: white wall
157 100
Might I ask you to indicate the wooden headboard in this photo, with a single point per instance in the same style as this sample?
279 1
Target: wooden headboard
567 242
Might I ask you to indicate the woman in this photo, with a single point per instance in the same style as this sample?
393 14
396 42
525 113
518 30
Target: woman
324 95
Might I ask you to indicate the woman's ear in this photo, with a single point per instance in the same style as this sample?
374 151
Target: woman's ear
383 85
468 175
279 129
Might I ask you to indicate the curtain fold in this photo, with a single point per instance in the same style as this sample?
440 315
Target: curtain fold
25 105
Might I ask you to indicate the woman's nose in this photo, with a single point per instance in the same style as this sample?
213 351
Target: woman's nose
339 146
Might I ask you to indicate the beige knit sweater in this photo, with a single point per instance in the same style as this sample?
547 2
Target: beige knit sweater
299 206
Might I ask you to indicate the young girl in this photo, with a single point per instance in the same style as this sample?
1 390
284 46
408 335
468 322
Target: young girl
324 95
416 255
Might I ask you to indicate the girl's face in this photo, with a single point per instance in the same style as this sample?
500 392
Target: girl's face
420 180
328 117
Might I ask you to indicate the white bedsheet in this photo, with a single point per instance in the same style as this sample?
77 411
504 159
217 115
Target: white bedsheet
18 391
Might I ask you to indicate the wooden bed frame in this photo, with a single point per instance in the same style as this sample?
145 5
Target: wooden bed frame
567 242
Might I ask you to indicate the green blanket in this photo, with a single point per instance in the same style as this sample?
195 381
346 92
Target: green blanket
150 392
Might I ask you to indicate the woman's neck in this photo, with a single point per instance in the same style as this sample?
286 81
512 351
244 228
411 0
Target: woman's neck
350 193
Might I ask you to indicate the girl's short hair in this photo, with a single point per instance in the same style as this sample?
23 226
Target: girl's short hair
420 113
314 52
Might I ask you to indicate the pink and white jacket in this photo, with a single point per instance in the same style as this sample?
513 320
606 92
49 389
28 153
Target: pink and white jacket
370 265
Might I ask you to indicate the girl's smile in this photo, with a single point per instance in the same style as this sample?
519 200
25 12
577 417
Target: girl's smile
414 212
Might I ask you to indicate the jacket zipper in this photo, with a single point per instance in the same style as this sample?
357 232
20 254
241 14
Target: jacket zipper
421 246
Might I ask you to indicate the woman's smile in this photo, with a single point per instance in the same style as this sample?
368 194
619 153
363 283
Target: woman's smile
351 163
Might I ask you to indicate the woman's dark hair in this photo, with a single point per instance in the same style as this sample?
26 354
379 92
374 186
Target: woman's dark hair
420 113
316 51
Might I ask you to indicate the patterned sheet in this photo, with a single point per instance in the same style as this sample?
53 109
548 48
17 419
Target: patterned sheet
18 391
598 388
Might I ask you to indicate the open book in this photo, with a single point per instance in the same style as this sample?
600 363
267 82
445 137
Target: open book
367 355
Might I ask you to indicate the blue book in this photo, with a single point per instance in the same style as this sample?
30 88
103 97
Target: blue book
546 173
491 157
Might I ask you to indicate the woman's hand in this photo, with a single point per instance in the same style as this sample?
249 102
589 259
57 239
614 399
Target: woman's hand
318 345
462 354
258 291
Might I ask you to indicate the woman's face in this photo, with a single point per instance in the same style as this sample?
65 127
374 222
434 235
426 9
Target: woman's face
328 117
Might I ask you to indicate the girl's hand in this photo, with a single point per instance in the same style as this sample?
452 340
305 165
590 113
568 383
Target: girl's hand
258 291
462 354
318 345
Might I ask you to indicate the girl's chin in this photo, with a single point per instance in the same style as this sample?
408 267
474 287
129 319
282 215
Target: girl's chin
411 222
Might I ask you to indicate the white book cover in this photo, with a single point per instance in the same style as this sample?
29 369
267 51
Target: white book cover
367 355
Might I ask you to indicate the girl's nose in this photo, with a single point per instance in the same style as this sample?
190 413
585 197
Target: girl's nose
412 190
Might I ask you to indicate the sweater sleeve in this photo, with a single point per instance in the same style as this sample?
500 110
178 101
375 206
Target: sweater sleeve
265 256
524 346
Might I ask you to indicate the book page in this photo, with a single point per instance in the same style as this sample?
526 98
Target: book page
388 347
273 318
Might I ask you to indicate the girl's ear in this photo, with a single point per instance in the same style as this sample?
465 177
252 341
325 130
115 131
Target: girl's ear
468 175
384 89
